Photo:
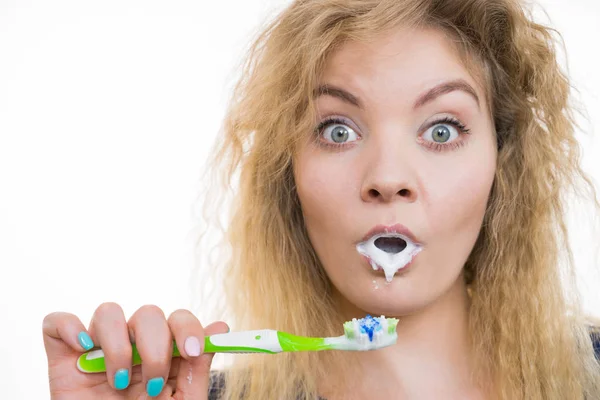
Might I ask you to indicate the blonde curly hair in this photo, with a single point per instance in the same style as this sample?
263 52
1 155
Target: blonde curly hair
526 324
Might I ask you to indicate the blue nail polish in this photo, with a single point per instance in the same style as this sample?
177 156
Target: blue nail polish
155 386
122 379
85 340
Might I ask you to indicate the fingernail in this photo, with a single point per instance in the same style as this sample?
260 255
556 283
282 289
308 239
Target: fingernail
155 386
192 346
122 379
85 340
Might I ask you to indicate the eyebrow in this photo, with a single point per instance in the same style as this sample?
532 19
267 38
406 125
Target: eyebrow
427 97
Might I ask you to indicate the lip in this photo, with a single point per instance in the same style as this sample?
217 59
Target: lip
400 271
397 228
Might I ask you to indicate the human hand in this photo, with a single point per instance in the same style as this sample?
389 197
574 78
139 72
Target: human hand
160 375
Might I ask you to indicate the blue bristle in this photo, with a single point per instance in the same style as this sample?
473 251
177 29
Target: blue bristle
369 325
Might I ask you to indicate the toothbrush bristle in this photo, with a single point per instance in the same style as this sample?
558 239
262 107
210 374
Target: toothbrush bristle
369 333
392 323
369 325
369 329
349 329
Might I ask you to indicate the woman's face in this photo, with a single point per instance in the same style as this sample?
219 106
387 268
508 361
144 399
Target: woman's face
397 154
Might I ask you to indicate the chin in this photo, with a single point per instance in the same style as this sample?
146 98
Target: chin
377 297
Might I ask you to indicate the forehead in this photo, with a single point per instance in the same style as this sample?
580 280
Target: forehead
397 65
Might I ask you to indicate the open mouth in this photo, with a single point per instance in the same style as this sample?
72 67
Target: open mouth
390 244
389 252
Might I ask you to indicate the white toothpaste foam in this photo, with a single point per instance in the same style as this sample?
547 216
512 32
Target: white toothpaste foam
389 262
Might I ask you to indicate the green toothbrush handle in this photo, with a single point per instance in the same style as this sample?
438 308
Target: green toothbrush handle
261 341
93 360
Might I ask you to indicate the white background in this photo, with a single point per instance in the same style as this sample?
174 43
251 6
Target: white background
107 111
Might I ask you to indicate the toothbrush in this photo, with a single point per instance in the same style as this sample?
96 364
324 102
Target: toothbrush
359 335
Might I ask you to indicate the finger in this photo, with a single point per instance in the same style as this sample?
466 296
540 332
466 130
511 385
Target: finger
64 334
188 333
168 391
140 392
175 362
136 371
109 328
193 377
155 344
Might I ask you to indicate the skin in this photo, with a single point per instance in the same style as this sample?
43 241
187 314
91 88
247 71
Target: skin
385 173
153 334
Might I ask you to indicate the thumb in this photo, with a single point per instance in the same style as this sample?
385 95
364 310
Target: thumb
194 374
65 339
64 335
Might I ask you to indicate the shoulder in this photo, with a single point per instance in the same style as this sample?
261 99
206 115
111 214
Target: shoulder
216 384
595 334
217 378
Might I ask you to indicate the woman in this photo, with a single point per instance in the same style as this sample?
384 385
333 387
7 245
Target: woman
447 123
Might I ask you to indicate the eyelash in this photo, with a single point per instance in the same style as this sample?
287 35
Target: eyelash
438 147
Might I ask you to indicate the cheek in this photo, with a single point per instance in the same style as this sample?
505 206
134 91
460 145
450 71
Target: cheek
457 201
324 186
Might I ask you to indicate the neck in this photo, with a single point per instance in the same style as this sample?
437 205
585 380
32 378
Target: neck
431 358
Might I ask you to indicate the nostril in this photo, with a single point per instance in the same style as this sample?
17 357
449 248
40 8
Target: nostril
404 193
373 193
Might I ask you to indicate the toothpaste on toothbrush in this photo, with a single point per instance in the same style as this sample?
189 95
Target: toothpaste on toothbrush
367 333
389 251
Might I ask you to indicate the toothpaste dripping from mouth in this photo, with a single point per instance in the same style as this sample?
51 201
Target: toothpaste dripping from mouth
390 263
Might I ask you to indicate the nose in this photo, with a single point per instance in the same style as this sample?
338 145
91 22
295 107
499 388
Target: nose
390 175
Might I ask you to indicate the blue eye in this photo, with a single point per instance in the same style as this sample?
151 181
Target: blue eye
441 133
445 134
336 131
